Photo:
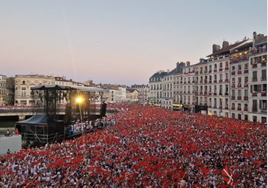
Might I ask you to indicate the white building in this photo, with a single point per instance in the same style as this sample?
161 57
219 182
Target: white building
232 82
188 85
144 92
3 92
116 94
155 85
23 84
132 95
257 107
167 89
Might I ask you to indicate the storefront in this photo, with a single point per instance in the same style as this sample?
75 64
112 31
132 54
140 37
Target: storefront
201 109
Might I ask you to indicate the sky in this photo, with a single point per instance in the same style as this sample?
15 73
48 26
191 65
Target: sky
118 41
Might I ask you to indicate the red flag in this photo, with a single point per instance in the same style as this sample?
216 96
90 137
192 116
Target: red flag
227 175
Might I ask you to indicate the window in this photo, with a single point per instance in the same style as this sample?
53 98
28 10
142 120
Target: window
233 92
23 82
239 92
246 93
239 67
226 88
239 80
23 88
246 66
254 74
246 79
263 75
263 105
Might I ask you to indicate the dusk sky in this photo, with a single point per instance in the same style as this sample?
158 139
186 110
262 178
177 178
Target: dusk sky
119 41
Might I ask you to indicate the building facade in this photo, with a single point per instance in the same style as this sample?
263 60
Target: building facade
155 85
23 84
144 92
3 93
232 82
132 95
257 103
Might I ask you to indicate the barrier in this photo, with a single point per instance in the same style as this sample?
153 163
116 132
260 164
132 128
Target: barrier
13 143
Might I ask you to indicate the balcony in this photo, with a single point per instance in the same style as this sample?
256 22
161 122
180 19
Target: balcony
205 93
245 98
254 110
196 72
226 108
226 68
233 97
254 79
254 94
226 80
193 81
233 72
215 93
263 78
185 82
239 85
210 93
215 81
189 82
263 64
220 80
246 109
220 69
201 72
239 72
205 81
215 70
196 92
220 93
233 108
239 97
245 70
201 81
226 94
259 50
220 107
246 85
238 108
210 71
210 81
233 85
201 93
263 93
254 65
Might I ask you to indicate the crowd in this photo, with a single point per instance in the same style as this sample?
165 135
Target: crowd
149 147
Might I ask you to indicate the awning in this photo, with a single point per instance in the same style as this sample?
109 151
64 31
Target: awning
177 105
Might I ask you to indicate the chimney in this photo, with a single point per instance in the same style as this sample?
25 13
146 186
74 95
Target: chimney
215 48
167 70
188 63
225 44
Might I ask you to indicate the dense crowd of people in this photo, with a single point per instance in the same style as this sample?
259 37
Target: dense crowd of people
149 147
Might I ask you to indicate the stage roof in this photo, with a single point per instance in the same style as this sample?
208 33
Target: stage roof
61 87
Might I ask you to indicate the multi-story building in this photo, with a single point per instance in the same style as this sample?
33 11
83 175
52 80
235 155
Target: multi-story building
218 76
23 84
63 81
257 106
167 89
132 95
178 81
232 82
155 85
188 85
144 92
239 77
3 79
10 84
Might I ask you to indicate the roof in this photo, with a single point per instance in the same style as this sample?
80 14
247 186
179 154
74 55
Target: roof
227 49
61 87
159 74
131 90
36 120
